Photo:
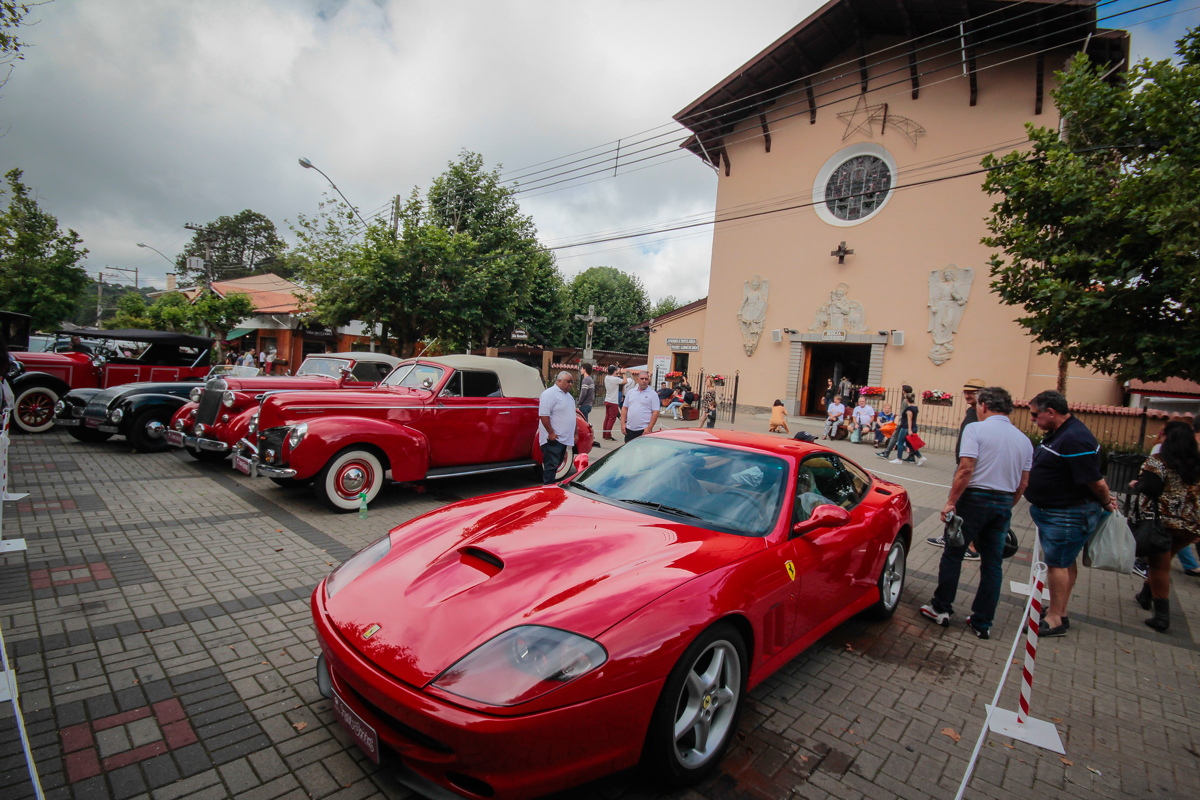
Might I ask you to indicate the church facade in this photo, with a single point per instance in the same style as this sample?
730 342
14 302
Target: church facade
849 201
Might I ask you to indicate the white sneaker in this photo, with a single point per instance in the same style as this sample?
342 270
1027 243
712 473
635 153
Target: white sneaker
940 617
895 461
921 461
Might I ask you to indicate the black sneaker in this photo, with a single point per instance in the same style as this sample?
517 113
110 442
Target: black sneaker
937 541
880 455
982 633
1141 570
970 555
1046 632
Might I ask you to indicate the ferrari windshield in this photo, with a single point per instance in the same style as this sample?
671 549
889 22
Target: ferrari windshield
329 367
733 490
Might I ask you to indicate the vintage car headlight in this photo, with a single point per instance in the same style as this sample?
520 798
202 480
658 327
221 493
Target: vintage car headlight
116 414
297 435
178 424
224 418
253 427
357 564
228 399
195 393
98 362
60 406
521 664
199 429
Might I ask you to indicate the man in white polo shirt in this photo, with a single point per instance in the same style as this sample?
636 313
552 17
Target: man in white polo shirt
556 425
641 408
993 471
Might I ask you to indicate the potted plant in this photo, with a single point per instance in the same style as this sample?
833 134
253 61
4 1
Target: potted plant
872 391
719 380
936 397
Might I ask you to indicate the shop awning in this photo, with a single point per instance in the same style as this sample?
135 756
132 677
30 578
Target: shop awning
238 333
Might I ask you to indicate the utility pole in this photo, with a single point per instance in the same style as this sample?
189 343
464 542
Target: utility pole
127 271
395 216
99 296
207 240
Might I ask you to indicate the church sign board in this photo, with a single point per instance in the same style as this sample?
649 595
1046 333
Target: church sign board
684 345
833 336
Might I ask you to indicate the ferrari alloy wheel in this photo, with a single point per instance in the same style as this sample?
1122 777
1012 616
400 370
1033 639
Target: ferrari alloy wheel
88 435
891 581
346 476
35 409
147 433
698 710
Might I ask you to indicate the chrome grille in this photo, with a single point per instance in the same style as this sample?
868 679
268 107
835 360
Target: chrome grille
210 401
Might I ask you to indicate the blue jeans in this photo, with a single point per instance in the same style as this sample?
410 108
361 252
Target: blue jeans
986 517
1187 558
585 410
674 405
552 459
1064 531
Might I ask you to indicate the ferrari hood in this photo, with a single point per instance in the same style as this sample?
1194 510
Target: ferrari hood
456 578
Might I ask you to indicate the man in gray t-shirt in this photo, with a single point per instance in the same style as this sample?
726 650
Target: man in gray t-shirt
587 390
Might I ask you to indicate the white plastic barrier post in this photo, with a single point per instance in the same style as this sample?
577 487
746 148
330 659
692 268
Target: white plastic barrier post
6 545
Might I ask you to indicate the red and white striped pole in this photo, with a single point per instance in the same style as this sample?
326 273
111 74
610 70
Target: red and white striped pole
1031 640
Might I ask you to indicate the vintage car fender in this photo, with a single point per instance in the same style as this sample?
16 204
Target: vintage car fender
184 413
56 385
135 405
406 449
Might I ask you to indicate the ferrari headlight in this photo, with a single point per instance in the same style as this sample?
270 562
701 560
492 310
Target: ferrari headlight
228 399
60 406
521 664
297 435
357 564
116 414
195 393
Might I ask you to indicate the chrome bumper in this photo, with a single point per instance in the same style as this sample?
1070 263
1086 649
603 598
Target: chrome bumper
273 472
209 444
68 423
108 429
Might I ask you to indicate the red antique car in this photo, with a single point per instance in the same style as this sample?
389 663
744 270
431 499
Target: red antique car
521 643
431 418
221 412
48 376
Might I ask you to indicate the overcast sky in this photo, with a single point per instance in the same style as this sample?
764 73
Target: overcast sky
133 117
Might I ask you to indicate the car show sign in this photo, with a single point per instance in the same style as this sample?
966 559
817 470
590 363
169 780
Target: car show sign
519 334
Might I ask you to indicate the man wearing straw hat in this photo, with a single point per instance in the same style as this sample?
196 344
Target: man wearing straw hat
992 474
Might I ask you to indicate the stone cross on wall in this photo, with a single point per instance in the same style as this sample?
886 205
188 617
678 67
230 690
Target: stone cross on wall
591 319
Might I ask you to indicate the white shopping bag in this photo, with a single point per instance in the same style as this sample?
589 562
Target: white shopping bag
1111 546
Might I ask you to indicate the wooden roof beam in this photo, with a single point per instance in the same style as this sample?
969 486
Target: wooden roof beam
860 41
809 69
910 34
762 119
969 43
1040 44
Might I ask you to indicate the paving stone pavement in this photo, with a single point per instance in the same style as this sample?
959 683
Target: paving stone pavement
159 623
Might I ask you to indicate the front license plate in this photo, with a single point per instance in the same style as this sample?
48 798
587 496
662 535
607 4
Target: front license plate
241 464
363 733
92 423
175 438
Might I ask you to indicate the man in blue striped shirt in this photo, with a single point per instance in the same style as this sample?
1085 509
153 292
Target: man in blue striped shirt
1068 498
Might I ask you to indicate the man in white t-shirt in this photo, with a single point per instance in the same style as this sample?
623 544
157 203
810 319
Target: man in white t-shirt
270 362
836 412
612 399
641 408
864 417
556 425
993 472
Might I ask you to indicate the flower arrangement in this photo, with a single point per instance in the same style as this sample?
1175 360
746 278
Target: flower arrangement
937 396
872 391
719 380
674 376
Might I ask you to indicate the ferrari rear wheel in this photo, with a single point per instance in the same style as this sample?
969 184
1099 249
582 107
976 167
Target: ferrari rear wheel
891 581
348 474
88 435
699 708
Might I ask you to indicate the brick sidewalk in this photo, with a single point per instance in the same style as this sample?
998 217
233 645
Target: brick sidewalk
160 626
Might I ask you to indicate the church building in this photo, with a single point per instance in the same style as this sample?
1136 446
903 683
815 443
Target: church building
849 203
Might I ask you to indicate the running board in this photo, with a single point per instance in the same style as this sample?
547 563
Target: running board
478 469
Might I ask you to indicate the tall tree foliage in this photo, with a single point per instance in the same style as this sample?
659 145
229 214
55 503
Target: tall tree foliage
1099 232
12 17
244 244
616 295
220 315
39 263
462 266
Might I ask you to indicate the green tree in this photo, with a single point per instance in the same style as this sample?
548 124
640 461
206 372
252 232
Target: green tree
244 244
1099 231
39 264
616 295
665 306
12 16
220 315
172 312
131 313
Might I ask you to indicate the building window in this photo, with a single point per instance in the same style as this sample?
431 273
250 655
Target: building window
854 185
858 187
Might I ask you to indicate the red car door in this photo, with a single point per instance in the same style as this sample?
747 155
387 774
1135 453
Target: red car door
831 562
461 425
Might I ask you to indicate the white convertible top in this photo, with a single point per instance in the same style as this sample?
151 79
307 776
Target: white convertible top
359 355
516 379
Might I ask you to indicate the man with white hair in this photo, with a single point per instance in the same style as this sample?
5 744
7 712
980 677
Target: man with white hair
556 425
641 408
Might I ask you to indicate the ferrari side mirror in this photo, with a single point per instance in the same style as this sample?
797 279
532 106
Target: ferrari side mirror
825 516
581 462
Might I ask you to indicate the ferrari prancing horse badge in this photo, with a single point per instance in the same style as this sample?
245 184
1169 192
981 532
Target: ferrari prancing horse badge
791 569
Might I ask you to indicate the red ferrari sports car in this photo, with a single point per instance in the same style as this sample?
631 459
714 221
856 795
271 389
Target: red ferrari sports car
521 643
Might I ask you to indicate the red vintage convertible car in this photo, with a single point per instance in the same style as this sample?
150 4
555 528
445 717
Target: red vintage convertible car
221 412
48 376
521 643
431 418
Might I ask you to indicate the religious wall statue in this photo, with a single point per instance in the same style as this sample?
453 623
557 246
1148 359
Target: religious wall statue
840 313
949 289
753 313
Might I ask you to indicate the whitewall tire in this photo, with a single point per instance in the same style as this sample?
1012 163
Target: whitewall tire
350 472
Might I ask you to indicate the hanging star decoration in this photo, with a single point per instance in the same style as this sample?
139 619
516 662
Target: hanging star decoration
877 113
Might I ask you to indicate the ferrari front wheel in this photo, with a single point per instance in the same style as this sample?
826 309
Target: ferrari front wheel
698 710
891 581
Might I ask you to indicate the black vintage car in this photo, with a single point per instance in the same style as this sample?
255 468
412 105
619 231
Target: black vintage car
138 411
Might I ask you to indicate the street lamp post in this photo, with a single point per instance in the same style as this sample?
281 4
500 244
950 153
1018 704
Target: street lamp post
160 252
304 162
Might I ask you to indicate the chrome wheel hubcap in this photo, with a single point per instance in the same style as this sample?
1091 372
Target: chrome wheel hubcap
705 709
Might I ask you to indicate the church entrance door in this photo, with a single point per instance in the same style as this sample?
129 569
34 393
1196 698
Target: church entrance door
831 361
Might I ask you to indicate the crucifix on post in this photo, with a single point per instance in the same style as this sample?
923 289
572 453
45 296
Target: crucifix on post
591 319
841 253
